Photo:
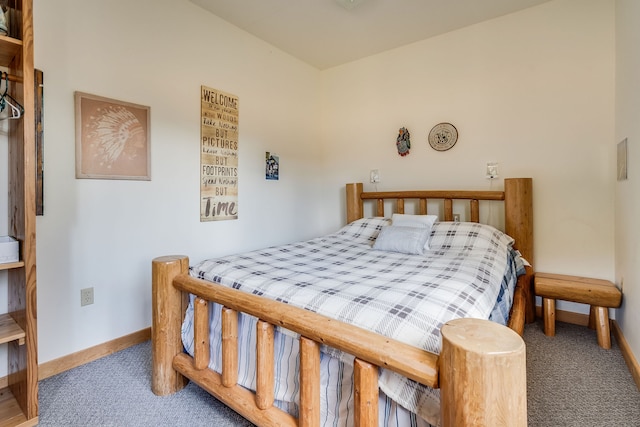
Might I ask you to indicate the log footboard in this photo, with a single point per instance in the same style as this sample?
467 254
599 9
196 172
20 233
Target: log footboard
481 370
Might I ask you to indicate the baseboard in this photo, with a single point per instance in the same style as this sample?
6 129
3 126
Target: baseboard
57 366
629 358
583 320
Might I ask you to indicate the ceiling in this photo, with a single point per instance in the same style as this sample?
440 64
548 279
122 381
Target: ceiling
326 33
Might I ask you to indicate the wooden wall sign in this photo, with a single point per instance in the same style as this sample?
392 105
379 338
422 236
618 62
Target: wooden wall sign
218 155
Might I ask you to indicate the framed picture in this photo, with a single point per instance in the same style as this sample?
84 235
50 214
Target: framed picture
39 116
112 138
622 160
272 167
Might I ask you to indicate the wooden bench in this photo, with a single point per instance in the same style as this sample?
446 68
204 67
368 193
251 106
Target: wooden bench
599 294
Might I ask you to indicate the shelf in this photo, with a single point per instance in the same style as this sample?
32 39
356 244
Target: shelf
9 330
10 413
10 265
9 47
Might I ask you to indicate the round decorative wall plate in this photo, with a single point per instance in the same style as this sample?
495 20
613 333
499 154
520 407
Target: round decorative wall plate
443 136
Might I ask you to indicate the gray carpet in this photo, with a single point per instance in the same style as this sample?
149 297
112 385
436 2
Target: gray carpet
115 391
571 382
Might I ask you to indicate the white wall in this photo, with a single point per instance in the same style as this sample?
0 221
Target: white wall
531 90
104 233
627 201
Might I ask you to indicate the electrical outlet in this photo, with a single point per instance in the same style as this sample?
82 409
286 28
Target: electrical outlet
456 217
86 296
492 170
374 176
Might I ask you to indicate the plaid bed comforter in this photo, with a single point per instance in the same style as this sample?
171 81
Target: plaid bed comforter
405 297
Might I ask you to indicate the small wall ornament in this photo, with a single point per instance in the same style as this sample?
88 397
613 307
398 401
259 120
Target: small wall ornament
403 144
443 136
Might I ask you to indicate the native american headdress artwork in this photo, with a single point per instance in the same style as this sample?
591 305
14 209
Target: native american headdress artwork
115 132
112 138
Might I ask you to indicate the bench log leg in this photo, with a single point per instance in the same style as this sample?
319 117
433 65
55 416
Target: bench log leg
602 326
549 314
592 317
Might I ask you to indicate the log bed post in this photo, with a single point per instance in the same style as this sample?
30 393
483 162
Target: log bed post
518 214
518 223
169 305
482 375
355 205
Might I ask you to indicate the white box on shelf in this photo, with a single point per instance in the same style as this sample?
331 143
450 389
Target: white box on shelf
9 248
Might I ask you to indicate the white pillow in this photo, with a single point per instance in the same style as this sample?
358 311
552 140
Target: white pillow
403 220
406 240
421 221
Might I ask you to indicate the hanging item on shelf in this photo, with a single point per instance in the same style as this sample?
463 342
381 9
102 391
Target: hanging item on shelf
8 249
16 110
403 144
4 28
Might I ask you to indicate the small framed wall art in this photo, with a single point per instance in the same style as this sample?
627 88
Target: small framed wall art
272 166
622 160
112 138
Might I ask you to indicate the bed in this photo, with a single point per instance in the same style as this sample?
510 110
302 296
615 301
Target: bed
226 323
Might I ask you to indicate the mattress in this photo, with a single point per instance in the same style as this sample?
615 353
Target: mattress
469 270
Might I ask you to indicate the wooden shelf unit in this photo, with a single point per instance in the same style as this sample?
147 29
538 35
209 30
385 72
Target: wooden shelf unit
18 326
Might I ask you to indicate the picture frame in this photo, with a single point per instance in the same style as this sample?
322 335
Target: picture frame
622 160
112 138
39 123
272 166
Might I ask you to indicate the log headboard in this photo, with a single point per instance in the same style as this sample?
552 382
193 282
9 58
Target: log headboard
517 196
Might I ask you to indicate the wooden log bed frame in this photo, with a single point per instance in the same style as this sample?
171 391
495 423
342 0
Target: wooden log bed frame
480 371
